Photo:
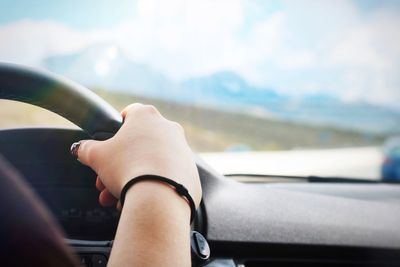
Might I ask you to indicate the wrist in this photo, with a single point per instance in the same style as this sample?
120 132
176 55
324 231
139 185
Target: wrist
157 200
180 189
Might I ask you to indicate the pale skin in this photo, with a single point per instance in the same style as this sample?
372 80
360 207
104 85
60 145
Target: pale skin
154 226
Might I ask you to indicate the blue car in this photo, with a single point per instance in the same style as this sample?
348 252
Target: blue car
391 164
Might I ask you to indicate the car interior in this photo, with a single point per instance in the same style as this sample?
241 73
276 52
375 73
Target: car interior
298 222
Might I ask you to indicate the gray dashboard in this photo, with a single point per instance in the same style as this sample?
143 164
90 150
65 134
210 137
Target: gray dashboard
365 215
245 224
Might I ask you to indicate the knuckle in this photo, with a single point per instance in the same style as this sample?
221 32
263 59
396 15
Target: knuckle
179 127
92 153
175 125
150 109
132 108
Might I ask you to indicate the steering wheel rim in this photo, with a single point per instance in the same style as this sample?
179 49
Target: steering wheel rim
93 115
62 96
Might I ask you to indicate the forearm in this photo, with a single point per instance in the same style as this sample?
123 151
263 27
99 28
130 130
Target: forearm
153 229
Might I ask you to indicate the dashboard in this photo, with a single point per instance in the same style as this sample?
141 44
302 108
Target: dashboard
246 225
66 186
77 210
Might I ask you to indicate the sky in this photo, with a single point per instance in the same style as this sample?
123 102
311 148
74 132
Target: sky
345 48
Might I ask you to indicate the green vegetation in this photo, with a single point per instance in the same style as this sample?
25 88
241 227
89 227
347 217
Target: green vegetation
214 130
208 129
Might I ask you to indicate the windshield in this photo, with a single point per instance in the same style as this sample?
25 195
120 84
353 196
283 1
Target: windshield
267 87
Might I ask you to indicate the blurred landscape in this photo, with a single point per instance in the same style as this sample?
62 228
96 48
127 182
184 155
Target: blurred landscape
107 66
221 111
209 129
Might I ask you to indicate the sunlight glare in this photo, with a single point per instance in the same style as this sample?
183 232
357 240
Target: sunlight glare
102 67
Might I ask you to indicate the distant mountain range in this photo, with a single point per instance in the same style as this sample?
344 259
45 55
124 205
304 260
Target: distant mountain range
106 66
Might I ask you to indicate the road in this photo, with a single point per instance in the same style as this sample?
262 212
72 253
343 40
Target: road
344 162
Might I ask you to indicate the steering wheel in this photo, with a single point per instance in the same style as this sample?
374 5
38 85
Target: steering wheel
70 100
92 114
59 95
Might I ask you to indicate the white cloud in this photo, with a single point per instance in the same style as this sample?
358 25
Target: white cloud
298 60
368 56
184 37
28 42
304 47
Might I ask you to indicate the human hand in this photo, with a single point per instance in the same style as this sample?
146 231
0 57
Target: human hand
147 143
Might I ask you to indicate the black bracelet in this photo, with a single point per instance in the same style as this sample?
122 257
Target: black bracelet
180 189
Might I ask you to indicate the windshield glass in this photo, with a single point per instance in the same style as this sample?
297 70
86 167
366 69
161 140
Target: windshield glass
267 87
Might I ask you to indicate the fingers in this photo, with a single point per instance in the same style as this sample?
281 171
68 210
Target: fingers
129 108
106 199
86 151
99 184
138 108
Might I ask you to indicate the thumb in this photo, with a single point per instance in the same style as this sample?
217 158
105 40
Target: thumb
86 151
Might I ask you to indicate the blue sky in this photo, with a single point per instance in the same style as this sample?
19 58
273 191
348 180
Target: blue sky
341 47
74 13
91 14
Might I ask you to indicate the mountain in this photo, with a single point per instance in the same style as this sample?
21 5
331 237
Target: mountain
229 91
106 66
228 88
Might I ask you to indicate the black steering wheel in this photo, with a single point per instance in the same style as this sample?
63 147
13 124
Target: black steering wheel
64 97
72 101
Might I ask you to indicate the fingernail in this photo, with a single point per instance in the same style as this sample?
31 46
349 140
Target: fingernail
75 148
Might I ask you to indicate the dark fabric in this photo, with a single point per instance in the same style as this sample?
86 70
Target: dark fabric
29 235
